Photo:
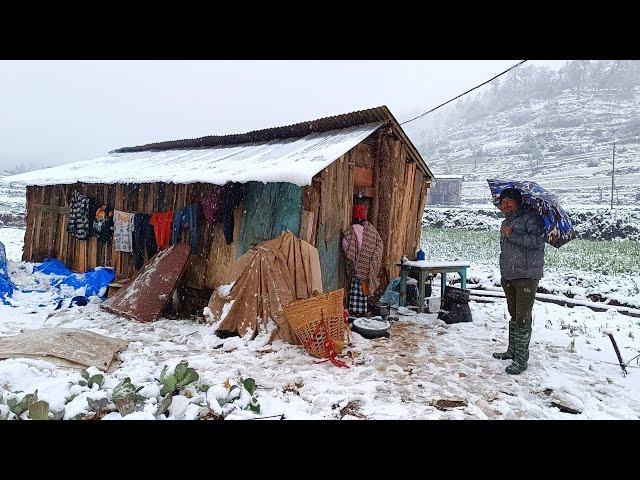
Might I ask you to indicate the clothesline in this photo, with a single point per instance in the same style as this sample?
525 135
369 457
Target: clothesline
139 232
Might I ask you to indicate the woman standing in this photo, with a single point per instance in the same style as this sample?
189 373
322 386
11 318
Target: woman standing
363 248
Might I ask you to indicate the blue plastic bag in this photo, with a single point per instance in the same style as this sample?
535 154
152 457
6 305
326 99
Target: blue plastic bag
391 294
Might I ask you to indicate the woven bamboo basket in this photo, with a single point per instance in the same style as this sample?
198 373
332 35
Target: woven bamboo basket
305 318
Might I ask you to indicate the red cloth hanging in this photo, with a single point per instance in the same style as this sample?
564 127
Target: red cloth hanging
162 223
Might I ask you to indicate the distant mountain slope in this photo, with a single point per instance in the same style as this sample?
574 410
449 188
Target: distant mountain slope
12 204
560 137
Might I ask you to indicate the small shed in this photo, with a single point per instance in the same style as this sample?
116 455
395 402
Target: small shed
446 190
304 178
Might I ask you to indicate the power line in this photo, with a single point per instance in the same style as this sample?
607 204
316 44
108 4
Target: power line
462 94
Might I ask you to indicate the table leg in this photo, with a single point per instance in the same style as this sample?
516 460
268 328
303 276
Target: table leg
463 278
421 296
403 287
443 283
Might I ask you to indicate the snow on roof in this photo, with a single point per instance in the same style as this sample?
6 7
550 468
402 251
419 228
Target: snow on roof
448 177
294 160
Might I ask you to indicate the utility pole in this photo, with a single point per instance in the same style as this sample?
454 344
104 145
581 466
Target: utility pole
613 172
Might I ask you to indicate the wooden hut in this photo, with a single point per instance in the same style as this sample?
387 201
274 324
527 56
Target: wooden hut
446 190
303 177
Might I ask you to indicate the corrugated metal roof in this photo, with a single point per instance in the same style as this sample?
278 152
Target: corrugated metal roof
294 160
337 122
346 120
293 153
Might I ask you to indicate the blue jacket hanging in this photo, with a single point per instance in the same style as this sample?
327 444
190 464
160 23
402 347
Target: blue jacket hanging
182 218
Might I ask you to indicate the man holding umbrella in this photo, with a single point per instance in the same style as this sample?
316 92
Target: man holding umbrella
533 216
522 240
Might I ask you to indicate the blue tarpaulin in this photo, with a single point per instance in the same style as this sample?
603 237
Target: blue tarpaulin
94 281
6 287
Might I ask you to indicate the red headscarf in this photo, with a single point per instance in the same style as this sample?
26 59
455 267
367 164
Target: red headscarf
360 212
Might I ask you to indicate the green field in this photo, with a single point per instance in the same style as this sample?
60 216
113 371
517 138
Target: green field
607 257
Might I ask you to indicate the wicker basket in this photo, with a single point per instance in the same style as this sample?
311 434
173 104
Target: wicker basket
305 318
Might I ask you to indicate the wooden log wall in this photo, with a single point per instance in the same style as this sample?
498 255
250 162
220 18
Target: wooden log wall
47 218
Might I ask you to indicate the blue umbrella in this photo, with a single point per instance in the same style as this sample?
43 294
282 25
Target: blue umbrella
557 223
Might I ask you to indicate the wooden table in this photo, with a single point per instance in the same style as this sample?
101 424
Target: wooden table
424 268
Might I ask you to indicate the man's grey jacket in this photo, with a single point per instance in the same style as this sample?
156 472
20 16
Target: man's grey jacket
522 253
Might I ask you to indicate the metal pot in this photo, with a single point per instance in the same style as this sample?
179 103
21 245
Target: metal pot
382 309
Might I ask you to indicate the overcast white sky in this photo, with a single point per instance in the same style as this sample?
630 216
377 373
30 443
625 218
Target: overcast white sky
62 111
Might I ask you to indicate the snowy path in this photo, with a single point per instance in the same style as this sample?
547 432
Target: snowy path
401 377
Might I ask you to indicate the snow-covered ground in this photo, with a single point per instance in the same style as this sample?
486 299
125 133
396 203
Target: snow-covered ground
13 240
406 376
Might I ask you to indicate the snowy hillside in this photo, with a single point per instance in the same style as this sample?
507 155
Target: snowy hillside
12 204
560 136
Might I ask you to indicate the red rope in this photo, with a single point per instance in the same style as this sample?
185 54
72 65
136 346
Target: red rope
328 343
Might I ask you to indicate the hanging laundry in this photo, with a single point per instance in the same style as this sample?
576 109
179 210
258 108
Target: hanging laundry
103 224
98 220
162 223
79 215
212 205
143 237
75 207
123 231
233 194
182 218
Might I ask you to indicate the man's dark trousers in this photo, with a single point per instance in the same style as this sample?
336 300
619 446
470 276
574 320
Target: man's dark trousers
521 294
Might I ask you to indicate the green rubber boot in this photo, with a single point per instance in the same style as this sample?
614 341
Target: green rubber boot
510 353
521 360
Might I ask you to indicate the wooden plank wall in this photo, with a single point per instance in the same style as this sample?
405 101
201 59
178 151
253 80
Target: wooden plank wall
395 210
401 195
399 190
331 196
46 230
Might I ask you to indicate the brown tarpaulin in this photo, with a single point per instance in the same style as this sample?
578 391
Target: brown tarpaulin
270 276
66 346
259 296
303 263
